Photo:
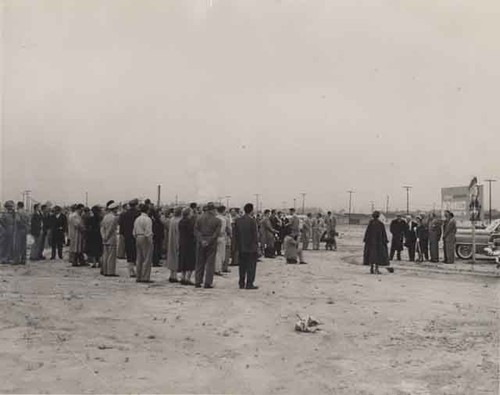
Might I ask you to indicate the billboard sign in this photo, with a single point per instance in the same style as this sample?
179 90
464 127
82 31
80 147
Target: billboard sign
458 201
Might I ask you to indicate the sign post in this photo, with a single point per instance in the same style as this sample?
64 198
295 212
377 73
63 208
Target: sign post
475 213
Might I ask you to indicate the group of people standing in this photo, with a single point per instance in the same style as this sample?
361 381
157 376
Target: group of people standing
194 243
421 237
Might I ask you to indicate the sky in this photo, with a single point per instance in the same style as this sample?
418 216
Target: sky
213 98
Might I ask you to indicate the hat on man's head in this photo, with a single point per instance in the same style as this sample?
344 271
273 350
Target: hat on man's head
210 206
113 206
9 204
134 202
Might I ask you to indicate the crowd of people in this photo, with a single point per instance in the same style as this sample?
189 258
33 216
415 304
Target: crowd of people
421 238
194 243
197 243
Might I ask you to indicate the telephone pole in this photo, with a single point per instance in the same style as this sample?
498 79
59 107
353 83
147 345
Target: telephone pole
373 205
303 202
489 182
408 188
350 206
158 202
294 203
387 205
257 195
86 199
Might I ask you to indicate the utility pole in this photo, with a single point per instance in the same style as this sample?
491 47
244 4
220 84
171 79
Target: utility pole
408 188
86 199
373 205
257 195
387 205
158 202
350 206
489 182
294 203
303 203
176 200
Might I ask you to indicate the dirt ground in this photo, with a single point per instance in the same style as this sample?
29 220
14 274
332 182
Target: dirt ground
68 330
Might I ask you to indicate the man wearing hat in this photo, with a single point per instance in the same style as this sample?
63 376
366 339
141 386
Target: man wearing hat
207 230
109 226
126 224
7 232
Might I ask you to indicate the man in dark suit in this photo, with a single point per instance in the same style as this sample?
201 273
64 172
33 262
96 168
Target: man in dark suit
398 227
246 240
126 223
58 228
207 230
411 237
36 232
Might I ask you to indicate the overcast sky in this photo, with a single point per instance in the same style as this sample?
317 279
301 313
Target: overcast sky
235 97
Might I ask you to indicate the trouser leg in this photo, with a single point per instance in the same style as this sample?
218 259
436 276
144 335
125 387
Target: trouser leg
210 264
243 268
200 265
251 269
147 259
140 257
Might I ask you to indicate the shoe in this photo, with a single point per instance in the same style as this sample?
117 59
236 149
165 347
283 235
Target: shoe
242 287
208 286
390 269
197 285
218 273
173 280
188 282
132 275
227 271
251 287
302 263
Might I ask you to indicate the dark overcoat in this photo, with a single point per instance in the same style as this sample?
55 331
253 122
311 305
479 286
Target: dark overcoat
376 244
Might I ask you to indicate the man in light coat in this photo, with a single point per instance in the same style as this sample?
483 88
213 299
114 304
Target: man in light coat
75 234
109 227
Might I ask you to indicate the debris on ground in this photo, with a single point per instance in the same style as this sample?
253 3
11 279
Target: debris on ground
308 324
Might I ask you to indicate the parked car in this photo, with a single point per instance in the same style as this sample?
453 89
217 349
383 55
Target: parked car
484 238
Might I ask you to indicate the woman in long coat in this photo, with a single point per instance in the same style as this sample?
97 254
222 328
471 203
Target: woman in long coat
375 253
173 245
187 246
268 236
158 235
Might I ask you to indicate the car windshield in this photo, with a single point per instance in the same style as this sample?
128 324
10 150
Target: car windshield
493 226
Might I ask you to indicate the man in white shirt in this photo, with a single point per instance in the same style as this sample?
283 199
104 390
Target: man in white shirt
143 234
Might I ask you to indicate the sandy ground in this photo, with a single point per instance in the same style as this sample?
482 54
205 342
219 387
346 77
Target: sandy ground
68 330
